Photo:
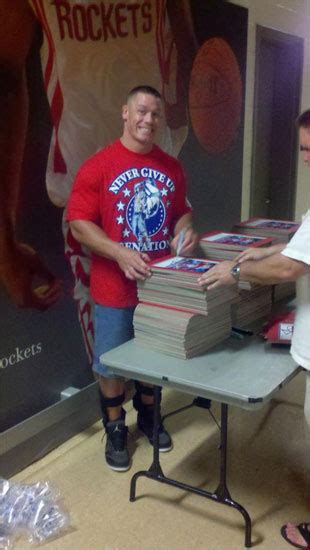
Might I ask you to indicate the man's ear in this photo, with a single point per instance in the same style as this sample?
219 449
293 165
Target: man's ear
125 113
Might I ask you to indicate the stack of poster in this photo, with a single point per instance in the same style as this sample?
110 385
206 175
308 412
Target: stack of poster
254 301
176 315
174 283
226 246
180 333
283 290
253 304
280 231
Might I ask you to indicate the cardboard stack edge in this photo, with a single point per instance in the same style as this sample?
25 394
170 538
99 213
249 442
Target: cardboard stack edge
220 245
281 231
175 315
254 301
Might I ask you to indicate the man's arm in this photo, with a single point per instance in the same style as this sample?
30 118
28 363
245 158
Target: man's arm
181 22
132 263
274 269
259 253
19 25
19 263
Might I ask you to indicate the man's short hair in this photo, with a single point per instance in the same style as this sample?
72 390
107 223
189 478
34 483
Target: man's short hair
144 89
303 121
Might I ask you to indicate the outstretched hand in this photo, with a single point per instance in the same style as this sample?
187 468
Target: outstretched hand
217 276
252 254
28 280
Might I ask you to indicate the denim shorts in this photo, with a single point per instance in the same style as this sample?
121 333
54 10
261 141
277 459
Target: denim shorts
113 327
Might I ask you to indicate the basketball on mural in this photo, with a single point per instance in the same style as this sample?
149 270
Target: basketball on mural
215 96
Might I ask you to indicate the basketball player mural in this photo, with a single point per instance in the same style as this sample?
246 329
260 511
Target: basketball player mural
93 52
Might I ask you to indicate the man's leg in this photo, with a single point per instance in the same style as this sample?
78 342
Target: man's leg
112 396
113 327
299 535
113 390
143 402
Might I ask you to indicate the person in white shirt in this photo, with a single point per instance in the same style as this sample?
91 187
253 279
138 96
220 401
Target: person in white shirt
277 264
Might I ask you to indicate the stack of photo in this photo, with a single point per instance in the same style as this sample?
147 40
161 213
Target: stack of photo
174 283
280 231
254 301
283 290
180 333
176 315
226 246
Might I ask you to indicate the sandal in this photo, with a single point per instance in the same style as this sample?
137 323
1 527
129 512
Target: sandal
304 530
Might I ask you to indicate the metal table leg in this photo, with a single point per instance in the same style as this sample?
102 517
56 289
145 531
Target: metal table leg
220 495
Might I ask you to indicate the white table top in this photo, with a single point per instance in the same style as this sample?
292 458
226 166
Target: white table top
239 372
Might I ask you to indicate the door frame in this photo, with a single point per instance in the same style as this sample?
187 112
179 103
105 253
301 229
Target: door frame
276 38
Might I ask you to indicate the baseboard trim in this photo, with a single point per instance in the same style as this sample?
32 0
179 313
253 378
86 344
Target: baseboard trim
33 438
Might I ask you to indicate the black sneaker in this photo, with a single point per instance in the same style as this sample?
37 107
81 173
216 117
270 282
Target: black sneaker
145 424
116 452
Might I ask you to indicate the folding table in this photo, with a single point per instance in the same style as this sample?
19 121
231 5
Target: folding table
243 372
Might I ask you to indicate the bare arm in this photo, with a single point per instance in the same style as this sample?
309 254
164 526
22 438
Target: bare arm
274 269
14 47
259 253
133 264
180 17
19 263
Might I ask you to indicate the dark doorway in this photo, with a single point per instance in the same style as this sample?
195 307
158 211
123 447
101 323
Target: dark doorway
278 76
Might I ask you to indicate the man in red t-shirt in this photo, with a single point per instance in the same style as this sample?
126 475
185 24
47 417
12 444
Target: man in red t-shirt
128 201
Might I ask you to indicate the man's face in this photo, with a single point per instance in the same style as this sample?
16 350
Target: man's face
141 118
304 141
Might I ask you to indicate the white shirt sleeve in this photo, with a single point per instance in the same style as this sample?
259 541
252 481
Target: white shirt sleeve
298 247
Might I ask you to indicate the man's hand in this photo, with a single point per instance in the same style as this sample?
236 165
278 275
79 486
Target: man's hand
252 254
218 276
133 264
259 253
28 280
184 242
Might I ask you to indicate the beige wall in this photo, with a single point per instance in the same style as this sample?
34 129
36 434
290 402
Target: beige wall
293 17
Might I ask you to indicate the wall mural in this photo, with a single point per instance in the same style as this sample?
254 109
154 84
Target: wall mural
67 68
215 96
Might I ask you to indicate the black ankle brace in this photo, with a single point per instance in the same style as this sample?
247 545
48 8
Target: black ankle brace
141 389
106 402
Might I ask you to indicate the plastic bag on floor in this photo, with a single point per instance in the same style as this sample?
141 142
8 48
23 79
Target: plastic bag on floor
6 541
30 510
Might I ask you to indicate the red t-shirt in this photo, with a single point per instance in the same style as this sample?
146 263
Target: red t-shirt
137 200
